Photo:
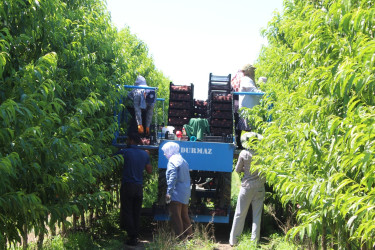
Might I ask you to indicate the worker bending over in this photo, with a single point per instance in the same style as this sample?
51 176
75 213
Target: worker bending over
143 101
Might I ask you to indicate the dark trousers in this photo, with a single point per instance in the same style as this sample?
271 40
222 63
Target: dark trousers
131 196
180 220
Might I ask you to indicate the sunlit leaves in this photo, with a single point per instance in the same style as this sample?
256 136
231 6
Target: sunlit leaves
319 149
61 63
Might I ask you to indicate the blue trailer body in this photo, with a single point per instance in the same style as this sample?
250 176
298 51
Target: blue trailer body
205 156
198 218
202 156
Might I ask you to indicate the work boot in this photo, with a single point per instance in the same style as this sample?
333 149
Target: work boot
147 130
140 129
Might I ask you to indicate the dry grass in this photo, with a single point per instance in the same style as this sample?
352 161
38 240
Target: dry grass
202 238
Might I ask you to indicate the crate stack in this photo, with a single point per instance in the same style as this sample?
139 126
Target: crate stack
220 111
200 109
180 105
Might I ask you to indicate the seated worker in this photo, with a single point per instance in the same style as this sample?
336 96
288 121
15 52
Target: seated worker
143 103
197 127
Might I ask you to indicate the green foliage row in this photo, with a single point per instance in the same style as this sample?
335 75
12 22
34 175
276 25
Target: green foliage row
318 151
61 62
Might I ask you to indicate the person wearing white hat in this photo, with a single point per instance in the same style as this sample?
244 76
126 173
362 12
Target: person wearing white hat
143 99
178 189
252 192
262 79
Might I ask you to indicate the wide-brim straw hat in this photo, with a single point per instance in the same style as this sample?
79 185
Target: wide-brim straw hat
248 67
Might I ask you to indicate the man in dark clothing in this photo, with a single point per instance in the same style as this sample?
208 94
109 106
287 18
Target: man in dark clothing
131 193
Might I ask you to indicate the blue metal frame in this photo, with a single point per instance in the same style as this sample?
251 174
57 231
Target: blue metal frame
247 93
255 93
139 87
211 218
197 218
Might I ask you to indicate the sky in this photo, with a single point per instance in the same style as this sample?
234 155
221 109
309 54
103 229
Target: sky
188 40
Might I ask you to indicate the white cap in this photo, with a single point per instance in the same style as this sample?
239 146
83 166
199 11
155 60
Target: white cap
262 79
141 81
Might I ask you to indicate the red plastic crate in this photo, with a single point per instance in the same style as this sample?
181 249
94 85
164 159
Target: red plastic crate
180 96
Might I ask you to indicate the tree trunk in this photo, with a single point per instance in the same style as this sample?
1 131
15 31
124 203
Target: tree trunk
83 222
24 237
74 221
52 229
3 242
40 239
97 211
316 245
63 228
118 196
91 216
104 208
324 235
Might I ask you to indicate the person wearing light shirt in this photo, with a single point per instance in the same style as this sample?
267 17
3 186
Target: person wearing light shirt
247 84
252 192
178 189
143 102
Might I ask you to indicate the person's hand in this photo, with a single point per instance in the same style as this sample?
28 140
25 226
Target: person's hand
167 198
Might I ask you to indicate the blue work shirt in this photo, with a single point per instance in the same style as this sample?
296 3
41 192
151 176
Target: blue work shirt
135 161
178 179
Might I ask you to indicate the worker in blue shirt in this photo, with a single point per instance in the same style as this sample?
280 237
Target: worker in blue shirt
178 190
131 193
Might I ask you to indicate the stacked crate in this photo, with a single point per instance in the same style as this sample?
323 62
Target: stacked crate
180 105
200 109
220 105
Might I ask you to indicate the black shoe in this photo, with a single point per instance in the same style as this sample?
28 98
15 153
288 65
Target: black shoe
132 242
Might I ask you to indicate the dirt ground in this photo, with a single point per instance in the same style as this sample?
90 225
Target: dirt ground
221 238
143 243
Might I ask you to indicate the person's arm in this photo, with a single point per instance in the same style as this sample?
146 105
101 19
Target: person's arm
240 164
137 108
149 168
131 95
171 178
